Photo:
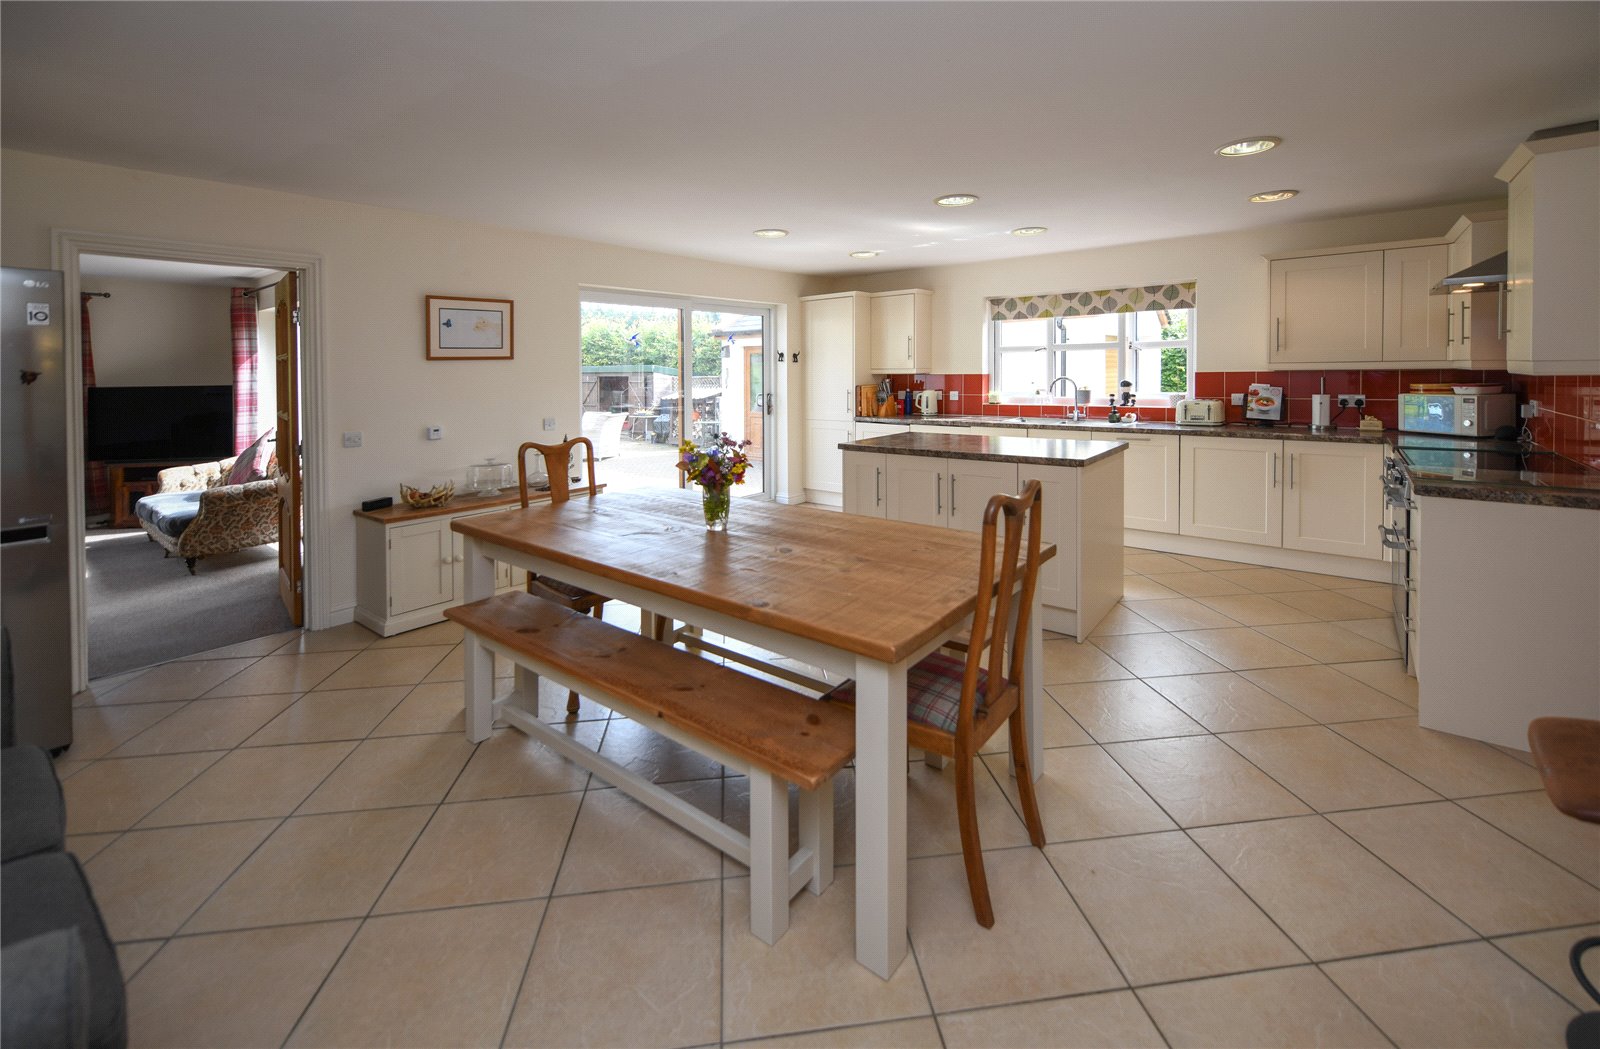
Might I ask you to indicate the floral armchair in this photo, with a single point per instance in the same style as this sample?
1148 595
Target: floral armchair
195 514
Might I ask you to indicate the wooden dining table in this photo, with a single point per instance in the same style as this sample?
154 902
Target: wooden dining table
854 596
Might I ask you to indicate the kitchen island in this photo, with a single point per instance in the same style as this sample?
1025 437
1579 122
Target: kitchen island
946 479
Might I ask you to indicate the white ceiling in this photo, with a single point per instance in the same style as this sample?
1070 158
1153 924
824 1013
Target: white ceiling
682 127
167 271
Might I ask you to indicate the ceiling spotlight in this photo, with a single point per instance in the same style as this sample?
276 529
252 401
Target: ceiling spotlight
863 254
1273 195
1029 231
772 234
1248 147
956 200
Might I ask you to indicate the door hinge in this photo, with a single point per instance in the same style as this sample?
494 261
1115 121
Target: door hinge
294 316
299 586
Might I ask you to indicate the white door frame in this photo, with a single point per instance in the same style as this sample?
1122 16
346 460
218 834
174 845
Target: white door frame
65 248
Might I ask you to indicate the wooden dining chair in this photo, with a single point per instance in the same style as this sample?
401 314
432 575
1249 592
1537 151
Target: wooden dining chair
954 704
557 466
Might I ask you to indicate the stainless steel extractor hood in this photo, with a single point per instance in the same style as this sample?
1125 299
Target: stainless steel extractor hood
1481 276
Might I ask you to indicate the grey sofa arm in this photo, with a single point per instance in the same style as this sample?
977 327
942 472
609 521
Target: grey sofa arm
34 815
46 1002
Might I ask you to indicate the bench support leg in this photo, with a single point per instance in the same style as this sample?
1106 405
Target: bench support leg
816 834
479 688
769 856
525 691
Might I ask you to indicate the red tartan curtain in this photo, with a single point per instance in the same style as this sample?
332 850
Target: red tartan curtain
243 312
96 489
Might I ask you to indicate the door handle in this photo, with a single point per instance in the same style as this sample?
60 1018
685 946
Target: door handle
938 495
1466 329
952 495
877 488
769 403
1274 469
1291 469
908 347
1500 310
1449 315
1277 335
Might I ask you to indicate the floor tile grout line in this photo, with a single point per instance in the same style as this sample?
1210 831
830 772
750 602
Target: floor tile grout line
1579 1007
1502 831
922 980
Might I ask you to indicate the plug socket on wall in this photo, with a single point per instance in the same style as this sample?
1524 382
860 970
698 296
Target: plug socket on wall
1530 410
1352 400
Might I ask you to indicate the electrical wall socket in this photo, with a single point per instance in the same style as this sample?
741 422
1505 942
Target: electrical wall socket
1530 410
435 433
1237 398
549 422
352 439
955 395
1352 400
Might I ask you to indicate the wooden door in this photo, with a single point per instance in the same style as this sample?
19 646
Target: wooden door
286 303
1231 488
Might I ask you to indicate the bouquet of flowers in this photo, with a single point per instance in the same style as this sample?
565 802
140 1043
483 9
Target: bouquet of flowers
715 468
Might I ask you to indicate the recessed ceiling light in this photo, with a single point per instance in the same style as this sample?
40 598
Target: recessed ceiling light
956 200
863 254
1248 147
1273 195
1029 231
772 234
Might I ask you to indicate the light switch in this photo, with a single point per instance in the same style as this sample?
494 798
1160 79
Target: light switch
549 422
436 433
352 439
955 395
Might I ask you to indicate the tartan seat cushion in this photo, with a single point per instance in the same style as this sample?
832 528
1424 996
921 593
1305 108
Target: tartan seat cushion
933 691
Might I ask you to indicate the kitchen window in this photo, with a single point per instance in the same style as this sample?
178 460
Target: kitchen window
1151 349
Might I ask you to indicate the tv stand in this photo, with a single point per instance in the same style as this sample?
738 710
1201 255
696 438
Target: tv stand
131 481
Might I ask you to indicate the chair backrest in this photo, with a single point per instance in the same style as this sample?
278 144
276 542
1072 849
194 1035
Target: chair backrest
557 458
993 625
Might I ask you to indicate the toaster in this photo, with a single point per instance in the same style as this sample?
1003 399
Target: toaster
1202 411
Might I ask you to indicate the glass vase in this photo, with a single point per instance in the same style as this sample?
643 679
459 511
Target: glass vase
715 502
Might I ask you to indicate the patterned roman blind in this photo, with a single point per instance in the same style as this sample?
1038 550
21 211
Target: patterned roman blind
1088 303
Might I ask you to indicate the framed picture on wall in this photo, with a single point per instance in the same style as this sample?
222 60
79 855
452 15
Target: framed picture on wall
467 329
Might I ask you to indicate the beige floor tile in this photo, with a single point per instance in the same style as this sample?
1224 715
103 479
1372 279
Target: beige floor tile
1183 613
346 637
1546 955
1200 584
508 764
398 771
1380 630
441 978
314 868
426 709
1066 661
1330 895
1386 675
1333 605
446 633
1091 1021
1055 726
375 667
180 681
1515 752
452 667
1165 912
275 674
97 731
1332 582
255 647
1532 820
1376 595
131 957
931 815
617 843
149 882
1328 642
810 978
1454 766
243 989
328 715
116 793
1039 947
1210 564
656 951
1146 563
252 784
1257 609
1284 1007
1119 710
1267 580
210 724
921 1033
1155 655
1226 702
1325 770
1140 588
1464 995
1084 794
483 852
654 756
87 846
1201 780
1488 880
66 768
922 812
1123 620
1326 695
1242 648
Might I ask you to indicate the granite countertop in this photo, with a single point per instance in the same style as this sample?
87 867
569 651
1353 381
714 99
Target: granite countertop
1276 431
1039 451
1568 489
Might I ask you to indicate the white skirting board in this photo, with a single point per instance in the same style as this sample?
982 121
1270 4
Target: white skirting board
1266 556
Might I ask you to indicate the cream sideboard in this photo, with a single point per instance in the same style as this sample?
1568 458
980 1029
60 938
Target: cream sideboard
409 563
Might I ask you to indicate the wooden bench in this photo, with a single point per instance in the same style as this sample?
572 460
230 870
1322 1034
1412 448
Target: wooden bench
774 735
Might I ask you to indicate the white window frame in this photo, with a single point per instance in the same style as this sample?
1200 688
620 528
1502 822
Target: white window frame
1126 350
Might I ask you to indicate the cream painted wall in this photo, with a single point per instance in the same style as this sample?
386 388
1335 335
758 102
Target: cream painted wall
160 333
378 265
1232 332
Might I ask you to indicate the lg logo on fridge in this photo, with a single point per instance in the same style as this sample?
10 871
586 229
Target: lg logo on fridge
38 313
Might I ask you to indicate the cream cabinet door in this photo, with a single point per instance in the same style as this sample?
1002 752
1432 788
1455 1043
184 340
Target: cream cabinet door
1150 473
893 332
833 325
1414 321
422 565
1059 524
865 484
824 468
1230 488
1333 498
1327 308
972 483
914 489
1519 285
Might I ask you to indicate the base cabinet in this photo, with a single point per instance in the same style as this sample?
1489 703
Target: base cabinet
1230 489
951 493
1333 498
865 486
1150 483
408 572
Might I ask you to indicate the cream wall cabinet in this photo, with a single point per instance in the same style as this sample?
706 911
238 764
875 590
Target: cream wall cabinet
1333 498
834 362
1230 489
865 484
409 571
902 331
1413 318
1475 321
1327 309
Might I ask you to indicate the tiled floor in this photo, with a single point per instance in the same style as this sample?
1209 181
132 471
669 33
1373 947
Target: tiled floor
1251 843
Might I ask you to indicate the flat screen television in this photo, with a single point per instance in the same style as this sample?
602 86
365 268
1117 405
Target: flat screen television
173 423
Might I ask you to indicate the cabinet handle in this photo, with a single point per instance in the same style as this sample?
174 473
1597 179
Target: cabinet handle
849 405
446 561
1274 469
877 488
459 559
908 347
938 496
1449 315
1277 335
1466 328
1500 310
1291 469
952 495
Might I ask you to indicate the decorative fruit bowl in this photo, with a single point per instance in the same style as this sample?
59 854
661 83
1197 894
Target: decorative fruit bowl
417 499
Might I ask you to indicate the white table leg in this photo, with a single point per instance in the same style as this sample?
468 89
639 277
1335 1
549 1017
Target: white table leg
479 686
880 816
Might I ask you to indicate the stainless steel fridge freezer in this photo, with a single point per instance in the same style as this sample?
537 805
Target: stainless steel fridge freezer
34 527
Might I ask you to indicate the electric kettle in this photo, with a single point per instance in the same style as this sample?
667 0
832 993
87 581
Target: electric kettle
927 402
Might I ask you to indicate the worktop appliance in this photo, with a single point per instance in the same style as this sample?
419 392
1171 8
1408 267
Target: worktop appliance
1457 414
1202 411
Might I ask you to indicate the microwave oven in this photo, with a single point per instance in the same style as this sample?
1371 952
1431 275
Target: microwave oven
1457 414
